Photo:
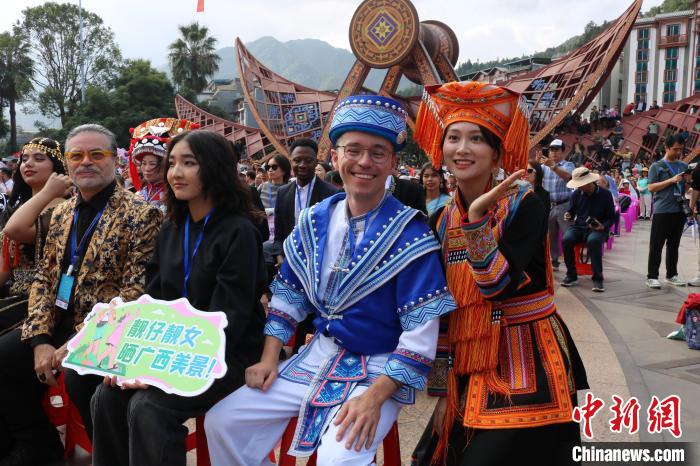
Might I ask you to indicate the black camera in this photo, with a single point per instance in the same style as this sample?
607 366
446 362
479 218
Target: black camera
685 206
592 222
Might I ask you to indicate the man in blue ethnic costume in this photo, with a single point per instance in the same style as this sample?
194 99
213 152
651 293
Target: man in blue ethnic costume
367 267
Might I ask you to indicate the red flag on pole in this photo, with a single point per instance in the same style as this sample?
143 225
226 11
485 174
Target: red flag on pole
200 6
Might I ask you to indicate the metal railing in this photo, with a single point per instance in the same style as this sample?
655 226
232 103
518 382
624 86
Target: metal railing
672 41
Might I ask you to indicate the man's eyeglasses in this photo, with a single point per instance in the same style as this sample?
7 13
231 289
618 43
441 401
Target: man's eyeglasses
355 151
76 156
272 168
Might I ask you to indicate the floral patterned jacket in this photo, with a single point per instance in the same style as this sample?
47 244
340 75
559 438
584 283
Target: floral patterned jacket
114 262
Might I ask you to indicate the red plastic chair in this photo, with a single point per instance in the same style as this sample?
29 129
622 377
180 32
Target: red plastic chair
198 440
61 412
581 268
64 413
392 448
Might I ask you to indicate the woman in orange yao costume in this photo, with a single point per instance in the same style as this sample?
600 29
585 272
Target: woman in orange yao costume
510 370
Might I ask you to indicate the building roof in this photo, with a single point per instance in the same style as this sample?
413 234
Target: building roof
516 65
485 72
528 61
673 14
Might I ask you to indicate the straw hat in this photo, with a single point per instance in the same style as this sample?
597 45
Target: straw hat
582 176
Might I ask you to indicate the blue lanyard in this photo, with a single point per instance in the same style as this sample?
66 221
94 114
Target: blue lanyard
76 250
670 168
189 260
676 188
308 194
269 195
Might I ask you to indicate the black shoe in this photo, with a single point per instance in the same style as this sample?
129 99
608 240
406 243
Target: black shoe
569 281
598 286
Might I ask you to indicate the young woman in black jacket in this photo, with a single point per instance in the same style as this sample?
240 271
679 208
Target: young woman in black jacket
209 220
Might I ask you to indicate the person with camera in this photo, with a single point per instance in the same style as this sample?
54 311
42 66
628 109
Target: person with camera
667 178
695 207
557 172
592 211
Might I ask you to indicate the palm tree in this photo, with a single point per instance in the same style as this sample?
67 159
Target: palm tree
193 57
16 71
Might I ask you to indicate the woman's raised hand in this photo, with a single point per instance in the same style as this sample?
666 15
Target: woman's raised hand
486 201
58 185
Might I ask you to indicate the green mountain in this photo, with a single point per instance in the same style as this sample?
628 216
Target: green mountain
309 62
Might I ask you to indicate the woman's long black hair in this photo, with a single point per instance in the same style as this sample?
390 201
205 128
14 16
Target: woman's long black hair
218 175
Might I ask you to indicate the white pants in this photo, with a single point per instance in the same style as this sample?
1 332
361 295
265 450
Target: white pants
245 426
645 205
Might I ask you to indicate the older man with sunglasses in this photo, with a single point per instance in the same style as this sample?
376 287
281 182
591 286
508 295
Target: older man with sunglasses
97 247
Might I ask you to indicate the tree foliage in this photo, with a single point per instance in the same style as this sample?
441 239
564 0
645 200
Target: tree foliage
16 71
411 153
668 6
4 125
193 57
54 32
138 93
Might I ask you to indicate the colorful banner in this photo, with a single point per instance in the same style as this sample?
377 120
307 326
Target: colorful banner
166 344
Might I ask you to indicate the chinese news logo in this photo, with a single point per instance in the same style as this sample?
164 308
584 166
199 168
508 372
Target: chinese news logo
660 415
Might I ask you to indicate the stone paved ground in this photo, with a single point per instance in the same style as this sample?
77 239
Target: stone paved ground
620 335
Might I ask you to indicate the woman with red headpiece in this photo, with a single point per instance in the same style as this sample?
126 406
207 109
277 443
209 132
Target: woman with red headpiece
510 370
148 146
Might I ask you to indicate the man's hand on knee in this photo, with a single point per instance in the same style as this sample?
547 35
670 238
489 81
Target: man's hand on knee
261 375
43 364
362 414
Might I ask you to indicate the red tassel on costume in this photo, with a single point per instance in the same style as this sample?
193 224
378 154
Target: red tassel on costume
134 174
5 254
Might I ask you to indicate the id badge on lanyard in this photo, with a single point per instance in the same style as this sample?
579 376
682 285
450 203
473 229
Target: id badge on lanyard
65 285
676 189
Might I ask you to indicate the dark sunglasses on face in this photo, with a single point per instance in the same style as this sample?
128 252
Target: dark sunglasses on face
531 170
272 167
